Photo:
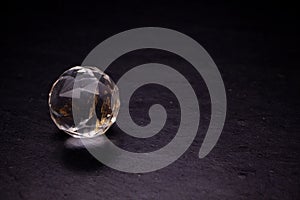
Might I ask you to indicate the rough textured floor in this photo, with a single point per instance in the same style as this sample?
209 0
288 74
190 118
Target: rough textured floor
255 49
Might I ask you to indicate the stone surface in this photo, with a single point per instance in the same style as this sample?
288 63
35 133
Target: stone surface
84 102
256 52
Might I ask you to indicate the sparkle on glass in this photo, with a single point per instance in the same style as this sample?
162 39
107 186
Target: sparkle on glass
100 96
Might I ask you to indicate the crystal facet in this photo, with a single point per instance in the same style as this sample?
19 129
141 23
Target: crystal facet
84 102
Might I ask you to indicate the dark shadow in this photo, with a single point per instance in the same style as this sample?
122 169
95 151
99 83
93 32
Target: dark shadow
75 158
59 136
80 159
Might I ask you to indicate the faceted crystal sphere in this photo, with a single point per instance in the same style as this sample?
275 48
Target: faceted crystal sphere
84 102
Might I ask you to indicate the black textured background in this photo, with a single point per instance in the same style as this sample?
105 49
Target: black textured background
255 47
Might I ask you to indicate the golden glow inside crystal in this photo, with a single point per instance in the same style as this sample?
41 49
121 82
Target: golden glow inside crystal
99 102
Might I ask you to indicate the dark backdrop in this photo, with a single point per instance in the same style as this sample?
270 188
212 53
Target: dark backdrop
255 46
